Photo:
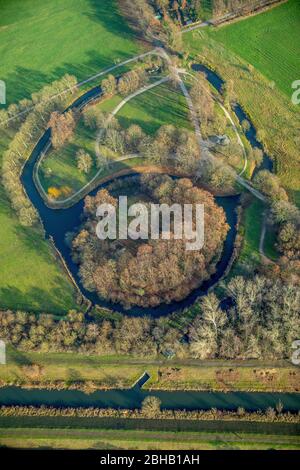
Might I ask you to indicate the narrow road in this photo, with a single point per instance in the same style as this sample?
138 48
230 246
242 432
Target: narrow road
177 72
239 178
239 15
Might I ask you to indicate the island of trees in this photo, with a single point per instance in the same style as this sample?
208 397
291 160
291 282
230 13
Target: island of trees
148 273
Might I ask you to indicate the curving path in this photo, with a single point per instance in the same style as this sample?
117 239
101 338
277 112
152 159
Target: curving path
58 222
88 186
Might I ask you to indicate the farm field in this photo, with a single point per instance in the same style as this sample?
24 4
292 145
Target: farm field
269 107
30 278
150 110
269 41
93 34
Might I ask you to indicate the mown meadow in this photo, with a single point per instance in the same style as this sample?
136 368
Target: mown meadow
40 42
270 42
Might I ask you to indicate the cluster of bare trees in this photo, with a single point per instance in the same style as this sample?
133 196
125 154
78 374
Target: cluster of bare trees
143 18
262 323
170 146
173 147
128 83
84 161
285 217
52 97
132 81
269 184
202 99
62 128
147 273
222 7
180 10
215 173
113 137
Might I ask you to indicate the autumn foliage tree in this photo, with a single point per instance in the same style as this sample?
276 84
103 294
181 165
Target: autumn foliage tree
147 273
62 128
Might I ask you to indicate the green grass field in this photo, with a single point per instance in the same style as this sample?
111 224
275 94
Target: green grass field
141 439
41 41
268 41
150 110
253 68
159 106
250 229
30 279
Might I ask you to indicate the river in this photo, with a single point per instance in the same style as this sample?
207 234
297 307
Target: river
132 399
57 222
251 134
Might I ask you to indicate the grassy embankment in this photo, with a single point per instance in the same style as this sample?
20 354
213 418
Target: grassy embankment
141 439
84 371
94 36
259 55
150 110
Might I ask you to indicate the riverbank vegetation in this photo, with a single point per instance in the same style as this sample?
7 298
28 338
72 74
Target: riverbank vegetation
25 255
151 410
32 125
256 324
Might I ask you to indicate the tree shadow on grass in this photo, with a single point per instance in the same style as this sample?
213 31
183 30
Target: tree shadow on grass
94 63
108 14
73 377
99 445
34 241
24 81
35 300
17 357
